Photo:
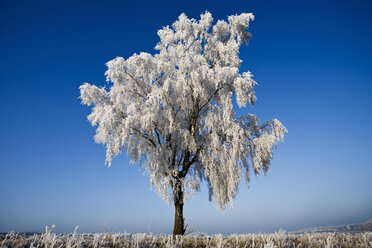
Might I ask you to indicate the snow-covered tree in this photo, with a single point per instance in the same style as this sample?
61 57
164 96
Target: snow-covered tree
172 112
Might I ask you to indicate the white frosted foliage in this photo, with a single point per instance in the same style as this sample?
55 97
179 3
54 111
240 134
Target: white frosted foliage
172 112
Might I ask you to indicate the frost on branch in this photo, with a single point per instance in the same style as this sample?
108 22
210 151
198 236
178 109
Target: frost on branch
172 112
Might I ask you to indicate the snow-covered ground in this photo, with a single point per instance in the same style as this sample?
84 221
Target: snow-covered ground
278 239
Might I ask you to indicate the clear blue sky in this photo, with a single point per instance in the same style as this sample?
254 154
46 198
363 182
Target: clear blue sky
312 60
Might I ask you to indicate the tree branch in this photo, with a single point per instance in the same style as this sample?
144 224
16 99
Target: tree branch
134 79
211 96
145 136
200 147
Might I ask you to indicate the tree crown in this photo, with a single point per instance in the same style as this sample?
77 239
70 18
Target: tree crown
172 112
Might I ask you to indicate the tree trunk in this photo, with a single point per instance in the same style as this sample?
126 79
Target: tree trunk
179 228
178 220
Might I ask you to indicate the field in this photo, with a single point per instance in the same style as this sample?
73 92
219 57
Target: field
279 239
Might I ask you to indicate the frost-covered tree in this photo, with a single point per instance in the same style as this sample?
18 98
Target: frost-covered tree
172 112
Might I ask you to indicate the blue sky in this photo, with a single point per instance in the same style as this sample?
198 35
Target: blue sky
311 59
